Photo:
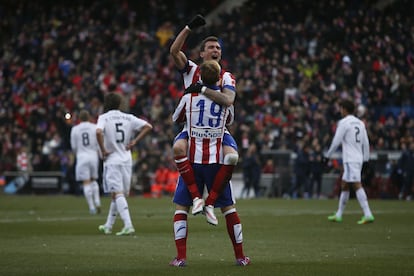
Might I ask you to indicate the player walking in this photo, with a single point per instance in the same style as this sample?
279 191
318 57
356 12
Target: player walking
85 146
352 135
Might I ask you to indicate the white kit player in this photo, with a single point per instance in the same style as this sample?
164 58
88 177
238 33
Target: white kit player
352 135
117 133
85 147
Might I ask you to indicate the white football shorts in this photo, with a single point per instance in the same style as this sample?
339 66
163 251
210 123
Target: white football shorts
117 178
352 172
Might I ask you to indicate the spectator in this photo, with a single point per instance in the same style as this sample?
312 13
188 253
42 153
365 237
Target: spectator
251 172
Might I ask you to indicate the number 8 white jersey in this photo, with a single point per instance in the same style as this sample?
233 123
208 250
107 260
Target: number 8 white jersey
83 140
352 134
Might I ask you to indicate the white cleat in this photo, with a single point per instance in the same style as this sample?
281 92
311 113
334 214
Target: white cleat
210 216
104 229
198 205
126 231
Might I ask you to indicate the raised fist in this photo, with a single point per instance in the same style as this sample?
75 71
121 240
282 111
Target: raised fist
196 22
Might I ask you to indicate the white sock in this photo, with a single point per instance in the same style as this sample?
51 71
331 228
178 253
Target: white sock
88 193
122 206
363 201
96 195
113 212
343 200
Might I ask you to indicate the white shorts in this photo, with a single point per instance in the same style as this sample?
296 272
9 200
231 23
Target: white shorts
117 178
87 167
352 172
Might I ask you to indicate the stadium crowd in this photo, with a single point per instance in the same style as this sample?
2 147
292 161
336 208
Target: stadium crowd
292 64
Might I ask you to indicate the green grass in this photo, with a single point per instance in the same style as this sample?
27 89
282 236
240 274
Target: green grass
55 235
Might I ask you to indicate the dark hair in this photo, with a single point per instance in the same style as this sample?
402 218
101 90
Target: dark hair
348 105
84 115
112 101
207 39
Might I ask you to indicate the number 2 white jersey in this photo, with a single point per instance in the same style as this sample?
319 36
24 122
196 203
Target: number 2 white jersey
205 121
119 129
352 135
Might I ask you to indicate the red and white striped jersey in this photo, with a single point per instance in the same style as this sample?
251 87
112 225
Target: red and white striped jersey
205 125
204 120
192 75
22 161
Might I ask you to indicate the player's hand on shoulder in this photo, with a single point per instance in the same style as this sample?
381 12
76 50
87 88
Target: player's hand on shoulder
194 88
196 22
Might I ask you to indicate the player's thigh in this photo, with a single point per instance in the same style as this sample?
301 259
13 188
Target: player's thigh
113 178
229 144
180 145
352 172
82 171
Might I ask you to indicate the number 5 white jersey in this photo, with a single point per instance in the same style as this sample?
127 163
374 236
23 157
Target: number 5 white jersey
119 129
352 134
205 123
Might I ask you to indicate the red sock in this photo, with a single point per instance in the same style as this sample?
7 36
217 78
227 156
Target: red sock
187 173
234 229
180 243
223 176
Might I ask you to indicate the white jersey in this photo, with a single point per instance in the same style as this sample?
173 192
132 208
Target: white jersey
205 122
85 146
352 135
119 129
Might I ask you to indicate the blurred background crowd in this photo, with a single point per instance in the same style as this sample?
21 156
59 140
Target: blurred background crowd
292 61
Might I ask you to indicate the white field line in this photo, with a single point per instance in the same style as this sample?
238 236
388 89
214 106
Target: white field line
273 213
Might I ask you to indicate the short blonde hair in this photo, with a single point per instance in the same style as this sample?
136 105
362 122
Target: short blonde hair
210 72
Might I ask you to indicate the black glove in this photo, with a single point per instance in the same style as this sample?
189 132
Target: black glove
194 88
325 161
196 22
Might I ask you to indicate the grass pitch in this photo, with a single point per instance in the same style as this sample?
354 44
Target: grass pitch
55 235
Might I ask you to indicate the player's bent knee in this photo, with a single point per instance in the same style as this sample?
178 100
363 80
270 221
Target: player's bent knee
180 147
231 159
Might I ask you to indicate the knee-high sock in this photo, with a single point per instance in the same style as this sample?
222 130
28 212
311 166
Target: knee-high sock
96 195
222 178
363 201
122 206
343 199
234 229
112 213
186 171
88 193
180 233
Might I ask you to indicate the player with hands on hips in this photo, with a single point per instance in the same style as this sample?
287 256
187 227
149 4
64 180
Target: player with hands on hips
117 132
